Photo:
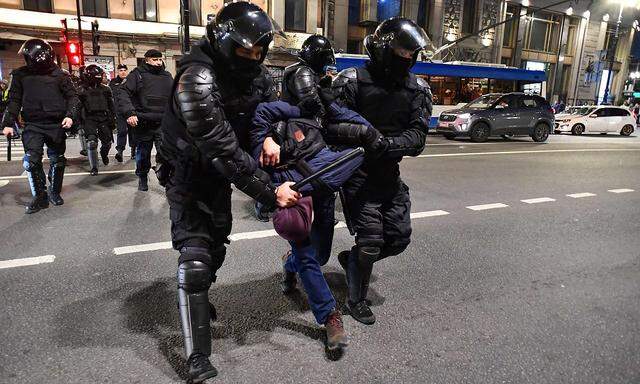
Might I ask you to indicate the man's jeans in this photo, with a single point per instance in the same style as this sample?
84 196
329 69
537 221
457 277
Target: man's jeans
306 259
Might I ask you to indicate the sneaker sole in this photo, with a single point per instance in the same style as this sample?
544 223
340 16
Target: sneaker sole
204 376
341 345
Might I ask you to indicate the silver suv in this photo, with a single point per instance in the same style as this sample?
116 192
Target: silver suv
501 114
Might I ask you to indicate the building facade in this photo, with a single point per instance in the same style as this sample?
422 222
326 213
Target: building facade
574 46
128 28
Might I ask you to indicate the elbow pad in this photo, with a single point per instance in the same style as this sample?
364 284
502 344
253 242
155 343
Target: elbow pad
256 185
345 133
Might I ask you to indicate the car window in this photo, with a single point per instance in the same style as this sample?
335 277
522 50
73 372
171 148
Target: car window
528 102
541 101
507 101
602 112
618 112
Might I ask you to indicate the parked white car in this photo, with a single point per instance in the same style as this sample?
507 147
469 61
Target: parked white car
595 119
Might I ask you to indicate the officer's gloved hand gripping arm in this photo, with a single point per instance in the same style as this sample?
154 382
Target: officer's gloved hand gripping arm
198 99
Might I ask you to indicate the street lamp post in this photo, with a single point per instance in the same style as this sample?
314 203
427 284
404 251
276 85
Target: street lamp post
612 54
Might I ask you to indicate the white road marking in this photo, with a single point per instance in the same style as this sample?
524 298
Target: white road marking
420 215
26 261
484 207
538 200
581 195
525 152
23 176
252 235
142 248
244 236
621 190
462 144
4 182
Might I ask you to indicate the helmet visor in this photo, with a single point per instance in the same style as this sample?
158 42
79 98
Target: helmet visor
253 28
409 38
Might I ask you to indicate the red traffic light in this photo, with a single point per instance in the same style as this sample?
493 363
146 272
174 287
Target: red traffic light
72 48
74 59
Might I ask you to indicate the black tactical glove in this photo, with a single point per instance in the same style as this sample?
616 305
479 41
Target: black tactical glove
372 141
311 106
163 173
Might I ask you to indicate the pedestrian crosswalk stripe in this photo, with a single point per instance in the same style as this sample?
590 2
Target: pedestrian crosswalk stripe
581 195
538 200
26 261
484 207
621 190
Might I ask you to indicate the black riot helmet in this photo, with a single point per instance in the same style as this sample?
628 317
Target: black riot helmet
393 38
38 54
241 24
317 52
92 75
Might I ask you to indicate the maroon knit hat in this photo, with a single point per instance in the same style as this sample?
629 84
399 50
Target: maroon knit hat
294 223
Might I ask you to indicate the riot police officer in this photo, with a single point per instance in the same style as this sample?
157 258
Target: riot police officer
300 81
217 88
48 102
123 128
388 95
98 115
142 100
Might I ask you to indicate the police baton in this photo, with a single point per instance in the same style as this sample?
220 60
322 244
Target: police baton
9 147
349 156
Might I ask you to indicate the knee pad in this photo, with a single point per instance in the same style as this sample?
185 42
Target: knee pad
31 161
368 255
92 144
194 276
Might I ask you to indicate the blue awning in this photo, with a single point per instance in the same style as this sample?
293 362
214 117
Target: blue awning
459 70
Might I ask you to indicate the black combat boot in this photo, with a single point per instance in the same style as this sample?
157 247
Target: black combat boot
118 156
37 183
142 183
56 175
105 157
200 368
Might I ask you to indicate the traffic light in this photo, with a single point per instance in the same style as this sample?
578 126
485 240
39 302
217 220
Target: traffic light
73 53
95 38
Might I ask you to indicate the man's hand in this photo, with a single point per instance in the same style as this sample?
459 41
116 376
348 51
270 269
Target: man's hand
132 121
270 155
8 132
67 123
285 196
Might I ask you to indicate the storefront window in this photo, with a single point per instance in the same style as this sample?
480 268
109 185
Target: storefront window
455 90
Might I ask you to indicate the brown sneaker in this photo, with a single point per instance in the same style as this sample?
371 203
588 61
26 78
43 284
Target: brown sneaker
336 336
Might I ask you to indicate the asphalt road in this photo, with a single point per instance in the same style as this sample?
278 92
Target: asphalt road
491 290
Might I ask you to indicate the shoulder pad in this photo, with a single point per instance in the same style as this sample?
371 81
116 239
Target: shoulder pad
346 76
194 93
422 83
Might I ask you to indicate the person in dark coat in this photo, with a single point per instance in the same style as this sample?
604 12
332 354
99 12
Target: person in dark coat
142 100
123 131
